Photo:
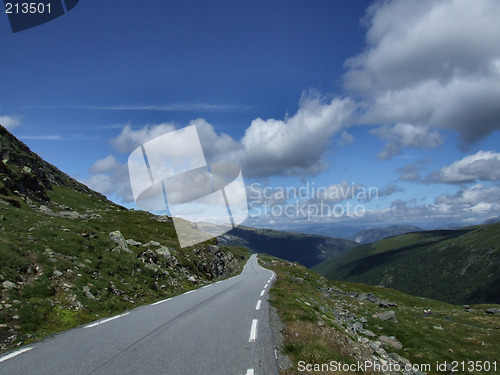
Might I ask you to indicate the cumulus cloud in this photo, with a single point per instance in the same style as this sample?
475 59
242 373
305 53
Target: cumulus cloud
431 63
115 184
271 147
10 122
482 166
129 139
109 163
403 135
295 146
477 197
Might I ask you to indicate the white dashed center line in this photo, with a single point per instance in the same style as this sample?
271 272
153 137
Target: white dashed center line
253 331
250 371
258 305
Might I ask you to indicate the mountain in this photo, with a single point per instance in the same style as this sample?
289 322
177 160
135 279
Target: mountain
492 220
306 249
456 266
69 255
375 234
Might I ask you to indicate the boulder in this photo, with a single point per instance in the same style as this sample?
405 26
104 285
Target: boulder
390 341
152 243
492 311
386 315
9 285
117 237
132 242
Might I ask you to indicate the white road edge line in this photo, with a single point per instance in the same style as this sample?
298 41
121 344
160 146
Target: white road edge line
190 291
250 371
157 303
266 285
16 353
258 305
253 331
262 293
106 320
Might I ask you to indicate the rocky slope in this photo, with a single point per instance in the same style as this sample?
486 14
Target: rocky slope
69 255
345 323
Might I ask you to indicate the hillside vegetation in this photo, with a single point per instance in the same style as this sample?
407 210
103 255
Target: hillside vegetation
456 266
69 256
350 324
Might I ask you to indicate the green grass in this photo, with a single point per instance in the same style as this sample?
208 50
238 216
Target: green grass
55 257
456 266
448 333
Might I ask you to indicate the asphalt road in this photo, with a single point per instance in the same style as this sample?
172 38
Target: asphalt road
219 329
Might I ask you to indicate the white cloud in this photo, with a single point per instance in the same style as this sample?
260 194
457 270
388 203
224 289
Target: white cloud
482 166
129 139
403 135
431 63
477 197
115 184
10 122
109 163
269 147
295 146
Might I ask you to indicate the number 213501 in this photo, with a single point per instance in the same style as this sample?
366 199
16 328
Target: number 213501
27 8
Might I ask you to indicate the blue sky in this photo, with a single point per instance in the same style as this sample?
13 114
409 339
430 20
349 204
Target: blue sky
403 96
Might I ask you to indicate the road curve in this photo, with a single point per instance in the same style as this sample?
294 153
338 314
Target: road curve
219 329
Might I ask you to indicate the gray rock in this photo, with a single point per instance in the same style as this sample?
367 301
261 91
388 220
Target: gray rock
163 251
386 315
9 285
69 215
367 332
372 298
117 237
87 292
401 360
152 243
386 303
493 311
57 273
16 317
192 279
390 341
132 242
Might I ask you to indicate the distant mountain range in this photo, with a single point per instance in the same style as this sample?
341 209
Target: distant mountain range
458 266
492 220
375 234
306 249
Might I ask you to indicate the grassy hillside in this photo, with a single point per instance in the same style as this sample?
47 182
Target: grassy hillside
342 321
456 266
375 234
69 256
306 249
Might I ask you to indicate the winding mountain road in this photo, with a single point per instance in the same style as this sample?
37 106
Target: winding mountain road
222 328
